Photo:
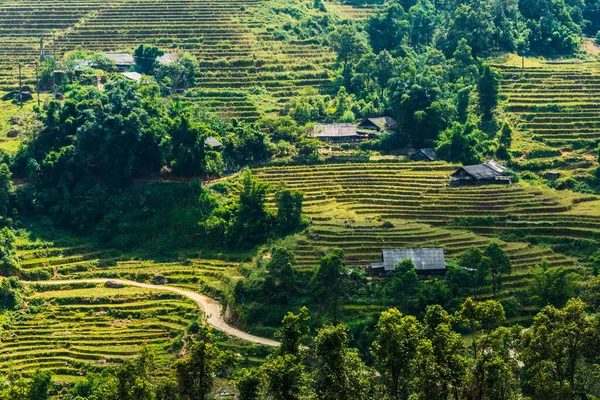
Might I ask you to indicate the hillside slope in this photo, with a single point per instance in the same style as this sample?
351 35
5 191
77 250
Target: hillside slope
251 54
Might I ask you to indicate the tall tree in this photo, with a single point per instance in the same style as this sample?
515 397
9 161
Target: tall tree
196 372
329 281
286 378
349 46
6 190
394 349
145 58
289 210
340 374
552 350
499 264
294 329
488 87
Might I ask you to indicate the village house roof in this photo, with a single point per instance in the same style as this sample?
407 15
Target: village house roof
121 58
488 171
212 142
334 131
427 153
426 259
167 58
134 76
381 124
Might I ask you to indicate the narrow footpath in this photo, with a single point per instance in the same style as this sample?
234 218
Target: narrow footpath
212 308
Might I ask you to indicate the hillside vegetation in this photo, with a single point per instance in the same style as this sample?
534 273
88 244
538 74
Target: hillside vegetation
142 199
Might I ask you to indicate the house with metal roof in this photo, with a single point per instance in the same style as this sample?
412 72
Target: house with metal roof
427 154
428 261
213 143
481 174
123 61
132 76
336 133
378 125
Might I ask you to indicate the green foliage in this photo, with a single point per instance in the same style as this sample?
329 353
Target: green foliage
463 143
394 350
294 329
340 374
330 282
500 264
488 88
6 191
9 262
552 286
406 286
145 58
286 378
349 46
250 384
195 373
40 385
251 222
289 210
179 75
553 349
11 297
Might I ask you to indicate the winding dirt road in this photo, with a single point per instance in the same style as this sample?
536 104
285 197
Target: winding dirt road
211 307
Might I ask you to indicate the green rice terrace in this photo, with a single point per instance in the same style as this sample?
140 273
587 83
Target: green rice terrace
84 327
364 208
557 106
248 63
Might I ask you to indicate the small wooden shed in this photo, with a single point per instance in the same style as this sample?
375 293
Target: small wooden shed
427 154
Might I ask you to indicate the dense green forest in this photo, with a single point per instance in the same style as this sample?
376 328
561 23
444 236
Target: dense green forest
154 180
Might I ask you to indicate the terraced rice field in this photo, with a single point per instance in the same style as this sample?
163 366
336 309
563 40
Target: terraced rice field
56 260
245 69
558 105
77 329
349 203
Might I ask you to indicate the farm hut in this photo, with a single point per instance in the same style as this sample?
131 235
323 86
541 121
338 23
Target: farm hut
123 61
374 127
427 154
552 175
482 174
428 261
167 58
336 133
132 76
213 143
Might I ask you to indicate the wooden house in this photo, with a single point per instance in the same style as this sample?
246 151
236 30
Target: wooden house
337 133
123 61
481 174
374 127
427 154
552 175
428 261
213 143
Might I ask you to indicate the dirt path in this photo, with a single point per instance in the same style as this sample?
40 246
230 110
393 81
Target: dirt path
211 307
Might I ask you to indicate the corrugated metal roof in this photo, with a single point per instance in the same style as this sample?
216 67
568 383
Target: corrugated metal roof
167 58
334 130
489 170
428 152
121 58
426 259
383 123
212 142
134 76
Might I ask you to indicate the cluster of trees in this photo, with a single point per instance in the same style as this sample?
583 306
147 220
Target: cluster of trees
93 147
275 285
556 358
420 62
441 97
